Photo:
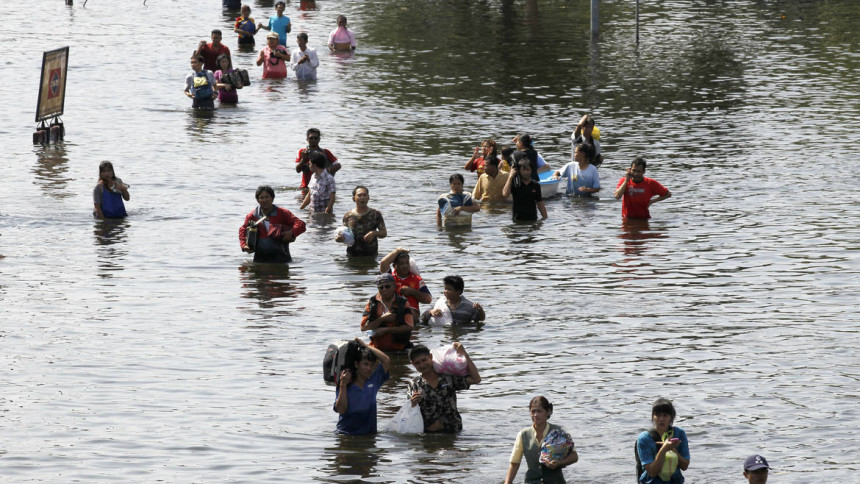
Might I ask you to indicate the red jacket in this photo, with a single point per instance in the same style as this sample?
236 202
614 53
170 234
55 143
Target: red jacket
281 221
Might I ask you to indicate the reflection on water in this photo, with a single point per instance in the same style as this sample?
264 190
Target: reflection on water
110 237
635 234
353 458
51 169
269 284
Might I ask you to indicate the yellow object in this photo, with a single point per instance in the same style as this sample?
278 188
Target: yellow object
595 133
670 465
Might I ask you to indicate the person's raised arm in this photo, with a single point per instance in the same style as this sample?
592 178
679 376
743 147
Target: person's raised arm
475 155
382 357
474 377
385 263
619 192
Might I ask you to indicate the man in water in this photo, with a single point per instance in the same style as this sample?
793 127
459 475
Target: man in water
275 229
639 191
321 193
304 62
303 165
200 85
407 282
211 51
387 317
278 23
491 184
755 469
436 393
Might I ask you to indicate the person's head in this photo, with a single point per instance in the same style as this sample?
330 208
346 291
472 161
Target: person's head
280 7
317 160
421 358
272 40
456 181
540 410
302 40
523 166
196 63
265 196
508 155
524 142
755 469
453 287
489 148
106 172
313 137
584 152
366 363
638 167
216 36
246 11
224 63
341 20
385 285
492 167
662 414
360 195
587 125
401 263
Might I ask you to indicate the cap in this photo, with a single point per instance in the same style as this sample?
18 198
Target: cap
754 462
273 35
383 278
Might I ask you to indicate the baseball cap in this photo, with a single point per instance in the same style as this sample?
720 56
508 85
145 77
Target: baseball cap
384 278
754 462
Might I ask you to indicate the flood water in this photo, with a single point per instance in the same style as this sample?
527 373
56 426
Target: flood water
152 350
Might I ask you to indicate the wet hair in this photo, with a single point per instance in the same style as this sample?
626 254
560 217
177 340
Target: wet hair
104 165
217 32
317 158
663 405
456 176
588 150
541 401
264 188
302 36
198 58
280 3
313 130
222 57
341 17
454 281
365 354
417 351
359 187
639 161
526 140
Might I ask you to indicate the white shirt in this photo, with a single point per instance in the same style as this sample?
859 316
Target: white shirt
308 70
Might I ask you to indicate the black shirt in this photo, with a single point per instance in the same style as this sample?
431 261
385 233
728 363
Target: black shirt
525 197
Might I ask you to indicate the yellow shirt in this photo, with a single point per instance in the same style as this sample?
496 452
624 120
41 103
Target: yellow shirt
517 453
489 188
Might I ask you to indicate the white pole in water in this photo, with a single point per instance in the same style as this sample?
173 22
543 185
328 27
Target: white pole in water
594 15
637 21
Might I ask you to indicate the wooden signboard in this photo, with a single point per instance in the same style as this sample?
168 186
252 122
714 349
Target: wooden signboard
52 89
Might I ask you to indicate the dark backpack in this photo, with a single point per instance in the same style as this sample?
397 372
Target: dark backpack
639 469
339 356
399 310
203 91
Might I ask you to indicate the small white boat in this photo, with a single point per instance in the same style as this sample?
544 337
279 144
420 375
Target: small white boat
548 185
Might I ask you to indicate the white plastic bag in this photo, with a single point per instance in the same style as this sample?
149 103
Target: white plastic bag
447 360
446 319
348 237
408 420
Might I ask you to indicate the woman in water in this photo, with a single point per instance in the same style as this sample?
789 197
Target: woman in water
366 224
481 156
341 38
525 143
109 193
226 91
245 27
529 442
662 452
456 203
355 397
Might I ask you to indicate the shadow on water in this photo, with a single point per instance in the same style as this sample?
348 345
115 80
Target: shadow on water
352 458
51 169
110 238
635 235
268 283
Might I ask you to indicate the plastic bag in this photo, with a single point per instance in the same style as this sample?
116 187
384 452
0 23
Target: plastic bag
445 207
348 237
407 420
555 446
446 319
447 360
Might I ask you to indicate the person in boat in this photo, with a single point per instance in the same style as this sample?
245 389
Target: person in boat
755 469
322 190
278 24
586 132
524 191
436 393
453 308
304 62
355 396
273 58
341 38
245 27
275 228
366 224
481 156
663 451
109 193
200 85
408 281
529 442
303 166
388 317
639 191
491 184
582 177
459 202
226 91
211 51
525 143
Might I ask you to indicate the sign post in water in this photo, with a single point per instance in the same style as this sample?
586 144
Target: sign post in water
52 96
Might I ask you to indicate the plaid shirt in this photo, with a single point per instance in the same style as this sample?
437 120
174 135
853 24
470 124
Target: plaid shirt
322 186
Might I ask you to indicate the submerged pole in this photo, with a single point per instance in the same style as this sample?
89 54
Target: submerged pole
594 15
637 21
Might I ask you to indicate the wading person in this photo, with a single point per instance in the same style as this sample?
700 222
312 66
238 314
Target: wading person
278 24
200 85
387 317
461 204
273 58
481 156
453 308
303 162
663 451
639 191
524 190
341 38
366 224
528 444
226 91
245 27
304 62
211 51
436 393
585 132
582 177
491 184
268 230
755 469
109 193
355 397
408 281
322 190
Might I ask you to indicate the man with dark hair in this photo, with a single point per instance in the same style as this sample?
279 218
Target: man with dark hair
303 162
304 61
268 230
278 23
638 191
755 469
491 183
453 308
524 190
211 51
581 174
200 85
408 282
437 393
321 193
387 317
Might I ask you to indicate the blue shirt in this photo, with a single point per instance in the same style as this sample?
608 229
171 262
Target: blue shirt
360 416
279 25
647 449
588 178
460 199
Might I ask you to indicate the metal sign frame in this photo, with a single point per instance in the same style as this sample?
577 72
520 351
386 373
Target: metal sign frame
50 59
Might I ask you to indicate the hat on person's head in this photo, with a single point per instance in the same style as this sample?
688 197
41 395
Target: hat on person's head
384 278
755 462
273 35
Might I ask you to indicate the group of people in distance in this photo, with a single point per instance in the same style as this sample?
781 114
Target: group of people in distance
211 63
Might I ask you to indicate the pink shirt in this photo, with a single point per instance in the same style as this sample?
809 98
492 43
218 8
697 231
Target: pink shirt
341 35
273 67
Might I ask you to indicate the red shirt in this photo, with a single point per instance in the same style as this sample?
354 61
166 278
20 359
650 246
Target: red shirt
638 196
306 174
210 55
413 280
